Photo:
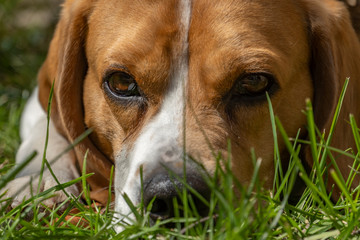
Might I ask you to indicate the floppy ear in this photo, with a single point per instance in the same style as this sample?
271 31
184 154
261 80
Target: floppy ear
335 56
66 63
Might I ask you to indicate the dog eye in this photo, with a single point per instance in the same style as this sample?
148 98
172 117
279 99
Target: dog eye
122 84
251 88
253 84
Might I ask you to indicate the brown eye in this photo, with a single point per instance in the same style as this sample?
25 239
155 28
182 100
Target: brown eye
253 85
122 85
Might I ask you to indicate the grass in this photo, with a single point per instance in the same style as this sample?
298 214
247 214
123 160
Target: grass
22 50
256 214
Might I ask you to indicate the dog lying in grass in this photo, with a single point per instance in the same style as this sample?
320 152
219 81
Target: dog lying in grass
160 83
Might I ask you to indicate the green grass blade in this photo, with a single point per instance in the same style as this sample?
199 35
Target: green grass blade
13 172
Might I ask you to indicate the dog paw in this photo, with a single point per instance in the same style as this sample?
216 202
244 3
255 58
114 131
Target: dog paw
24 188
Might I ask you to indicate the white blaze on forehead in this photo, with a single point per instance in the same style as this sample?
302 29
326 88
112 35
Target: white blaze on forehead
164 129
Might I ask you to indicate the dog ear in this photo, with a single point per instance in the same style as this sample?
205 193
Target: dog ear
66 64
335 56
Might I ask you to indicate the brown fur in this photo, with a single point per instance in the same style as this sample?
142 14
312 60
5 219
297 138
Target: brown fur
309 46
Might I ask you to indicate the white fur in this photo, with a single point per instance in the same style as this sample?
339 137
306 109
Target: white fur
33 125
33 131
165 129
31 115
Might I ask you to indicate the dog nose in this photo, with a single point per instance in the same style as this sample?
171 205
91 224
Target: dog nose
164 188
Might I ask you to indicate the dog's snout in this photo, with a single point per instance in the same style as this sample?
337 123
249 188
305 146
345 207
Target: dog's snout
164 188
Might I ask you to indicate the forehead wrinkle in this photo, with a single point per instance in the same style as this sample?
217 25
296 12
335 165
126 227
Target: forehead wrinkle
252 60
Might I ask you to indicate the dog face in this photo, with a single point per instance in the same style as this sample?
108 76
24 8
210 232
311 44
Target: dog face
204 68
162 81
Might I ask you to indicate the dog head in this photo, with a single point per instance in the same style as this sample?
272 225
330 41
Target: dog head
159 81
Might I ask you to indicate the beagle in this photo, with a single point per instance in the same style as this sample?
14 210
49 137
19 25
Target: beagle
162 82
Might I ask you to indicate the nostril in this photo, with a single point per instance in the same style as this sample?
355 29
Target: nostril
161 209
164 189
201 208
